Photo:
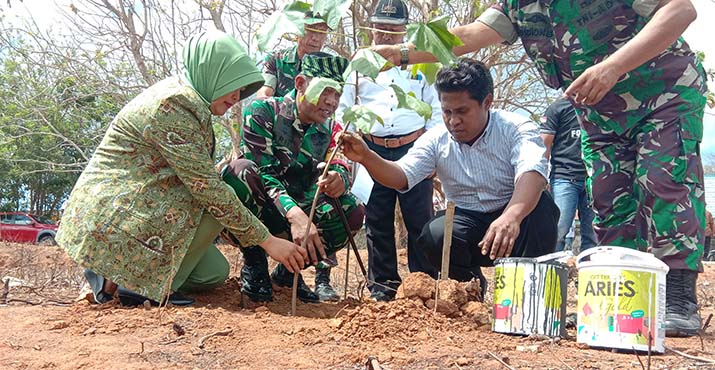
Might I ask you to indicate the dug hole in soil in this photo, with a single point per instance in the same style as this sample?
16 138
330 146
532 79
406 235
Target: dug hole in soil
45 326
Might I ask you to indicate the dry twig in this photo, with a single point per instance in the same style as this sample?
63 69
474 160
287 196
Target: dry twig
702 332
5 291
691 357
222 333
639 358
171 341
341 310
500 361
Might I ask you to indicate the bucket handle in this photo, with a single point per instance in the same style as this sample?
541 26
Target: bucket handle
620 250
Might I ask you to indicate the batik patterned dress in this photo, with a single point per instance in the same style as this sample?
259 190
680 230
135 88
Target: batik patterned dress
136 207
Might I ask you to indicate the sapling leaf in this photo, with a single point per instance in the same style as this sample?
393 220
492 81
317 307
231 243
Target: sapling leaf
332 11
316 87
289 20
362 117
367 62
410 101
434 37
428 70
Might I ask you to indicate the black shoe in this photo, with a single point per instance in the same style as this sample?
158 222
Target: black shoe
132 299
282 277
681 304
322 285
381 296
255 281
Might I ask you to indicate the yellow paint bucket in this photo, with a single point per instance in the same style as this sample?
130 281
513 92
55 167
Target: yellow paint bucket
621 299
529 297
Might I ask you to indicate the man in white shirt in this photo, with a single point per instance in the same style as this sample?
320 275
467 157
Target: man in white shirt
392 141
491 164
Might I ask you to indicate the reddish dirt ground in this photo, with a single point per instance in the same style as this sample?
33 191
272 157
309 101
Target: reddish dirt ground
40 330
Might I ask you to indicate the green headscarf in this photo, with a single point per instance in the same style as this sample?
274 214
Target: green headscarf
216 64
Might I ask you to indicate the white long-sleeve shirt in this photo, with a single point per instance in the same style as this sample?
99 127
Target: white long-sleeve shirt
380 97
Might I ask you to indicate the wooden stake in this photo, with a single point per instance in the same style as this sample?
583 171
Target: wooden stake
447 241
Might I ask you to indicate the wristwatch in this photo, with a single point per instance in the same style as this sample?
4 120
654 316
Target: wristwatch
404 55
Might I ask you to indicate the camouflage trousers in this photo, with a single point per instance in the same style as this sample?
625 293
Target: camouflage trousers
647 185
243 177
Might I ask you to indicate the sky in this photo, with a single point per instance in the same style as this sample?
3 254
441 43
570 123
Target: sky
698 35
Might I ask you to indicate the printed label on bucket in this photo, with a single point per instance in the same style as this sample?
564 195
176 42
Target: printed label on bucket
617 308
529 298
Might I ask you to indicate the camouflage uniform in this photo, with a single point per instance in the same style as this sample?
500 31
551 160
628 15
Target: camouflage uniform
280 171
641 142
280 69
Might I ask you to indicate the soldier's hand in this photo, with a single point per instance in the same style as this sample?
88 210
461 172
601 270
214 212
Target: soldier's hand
332 184
298 223
289 254
500 237
593 84
353 146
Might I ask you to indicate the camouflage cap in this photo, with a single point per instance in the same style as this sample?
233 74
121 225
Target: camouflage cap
324 65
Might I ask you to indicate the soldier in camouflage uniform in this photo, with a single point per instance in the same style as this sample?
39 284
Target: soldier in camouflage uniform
281 67
284 141
640 93
279 71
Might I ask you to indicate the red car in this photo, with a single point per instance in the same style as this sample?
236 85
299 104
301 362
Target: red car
23 227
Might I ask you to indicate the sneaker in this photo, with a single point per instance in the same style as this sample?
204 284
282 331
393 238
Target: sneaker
96 283
710 256
380 296
322 285
681 304
255 281
282 277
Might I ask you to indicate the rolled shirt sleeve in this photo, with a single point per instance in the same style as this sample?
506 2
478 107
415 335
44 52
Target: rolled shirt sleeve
497 18
527 153
269 72
645 8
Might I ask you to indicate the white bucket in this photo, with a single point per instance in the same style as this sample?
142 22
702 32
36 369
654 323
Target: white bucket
529 297
621 299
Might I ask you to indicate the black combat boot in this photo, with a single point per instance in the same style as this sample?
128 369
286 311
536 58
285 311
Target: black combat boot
255 282
681 304
322 285
282 277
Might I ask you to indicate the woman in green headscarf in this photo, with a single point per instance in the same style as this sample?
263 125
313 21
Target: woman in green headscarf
147 207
